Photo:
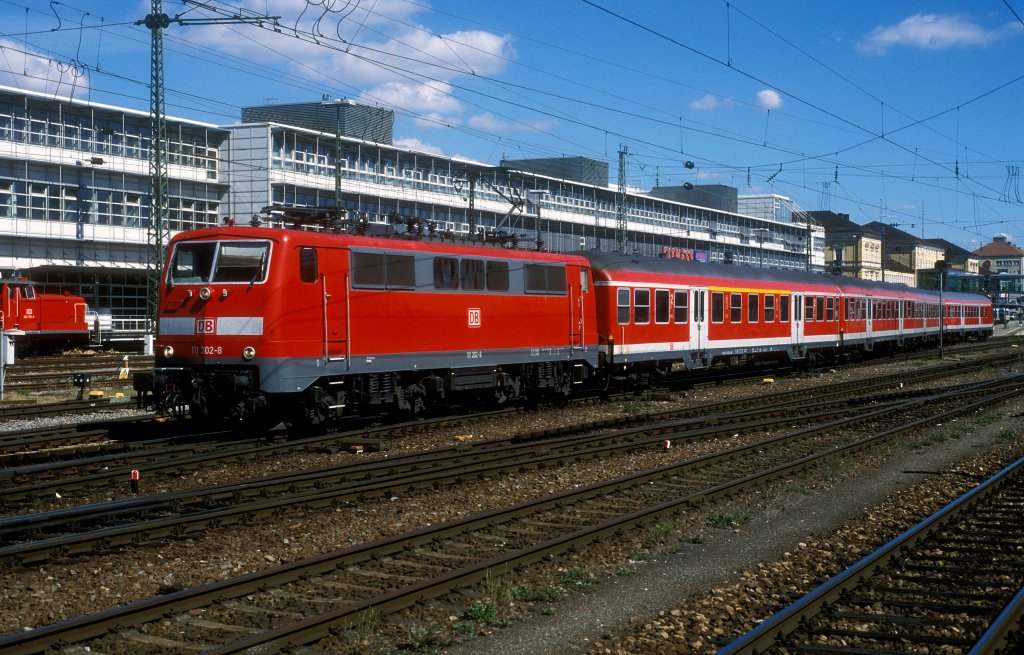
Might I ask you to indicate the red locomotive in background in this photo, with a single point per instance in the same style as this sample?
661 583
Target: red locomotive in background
41 322
303 326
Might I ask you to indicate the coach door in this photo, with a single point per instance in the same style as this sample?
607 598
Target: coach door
699 329
796 312
870 319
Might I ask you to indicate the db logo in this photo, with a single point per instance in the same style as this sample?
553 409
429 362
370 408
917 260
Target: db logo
474 318
205 326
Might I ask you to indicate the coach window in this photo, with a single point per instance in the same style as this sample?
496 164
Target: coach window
661 308
735 307
717 307
784 309
769 308
400 271
497 276
622 306
642 306
808 308
830 309
472 274
819 308
446 273
753 308
307 265
681 300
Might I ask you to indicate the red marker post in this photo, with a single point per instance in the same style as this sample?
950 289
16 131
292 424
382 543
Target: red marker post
135 481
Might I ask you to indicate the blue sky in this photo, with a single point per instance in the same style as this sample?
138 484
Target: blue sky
905 112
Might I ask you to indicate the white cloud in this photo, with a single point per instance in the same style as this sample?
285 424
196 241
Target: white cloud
934 32
488 122
374 46
411 97
415 144
707 103
34 72
769 99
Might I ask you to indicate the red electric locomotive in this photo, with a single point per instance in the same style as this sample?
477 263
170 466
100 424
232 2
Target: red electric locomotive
308 325
660 315
41 322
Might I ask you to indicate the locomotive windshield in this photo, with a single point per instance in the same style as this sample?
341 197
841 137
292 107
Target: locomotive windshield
200 262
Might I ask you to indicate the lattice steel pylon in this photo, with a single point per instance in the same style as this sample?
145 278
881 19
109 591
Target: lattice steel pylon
156 21
621 222
157 230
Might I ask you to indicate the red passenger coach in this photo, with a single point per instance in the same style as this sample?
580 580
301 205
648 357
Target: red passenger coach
310 324
660 315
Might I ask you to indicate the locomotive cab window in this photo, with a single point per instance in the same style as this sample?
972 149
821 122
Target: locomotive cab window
240 262
225 261
192 262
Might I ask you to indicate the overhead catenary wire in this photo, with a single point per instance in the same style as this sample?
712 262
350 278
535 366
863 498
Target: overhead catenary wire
654 148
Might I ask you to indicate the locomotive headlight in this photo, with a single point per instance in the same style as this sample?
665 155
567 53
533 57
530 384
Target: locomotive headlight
248 352
168 351
204 293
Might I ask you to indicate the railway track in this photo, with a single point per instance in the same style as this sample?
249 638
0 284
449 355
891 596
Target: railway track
320 599
23 484
33 538
953 584
28 410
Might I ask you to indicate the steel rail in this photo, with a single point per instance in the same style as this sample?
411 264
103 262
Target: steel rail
308 630
795 616
333 485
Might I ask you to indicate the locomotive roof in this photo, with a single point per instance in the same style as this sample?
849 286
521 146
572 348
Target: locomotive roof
617 262
436 245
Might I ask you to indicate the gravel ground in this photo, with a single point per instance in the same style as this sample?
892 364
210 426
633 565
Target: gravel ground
693 598
650 592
